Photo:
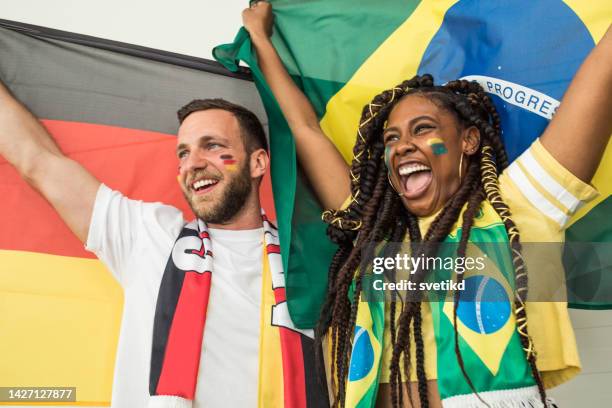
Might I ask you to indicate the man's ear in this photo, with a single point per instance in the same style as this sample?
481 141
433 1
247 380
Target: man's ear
470 140
259 163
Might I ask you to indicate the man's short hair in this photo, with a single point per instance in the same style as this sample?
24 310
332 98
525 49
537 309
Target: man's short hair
251 129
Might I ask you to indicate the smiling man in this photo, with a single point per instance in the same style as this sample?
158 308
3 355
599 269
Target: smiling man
205 319
220 174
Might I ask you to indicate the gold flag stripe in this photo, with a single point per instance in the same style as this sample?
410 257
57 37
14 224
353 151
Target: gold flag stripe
59 319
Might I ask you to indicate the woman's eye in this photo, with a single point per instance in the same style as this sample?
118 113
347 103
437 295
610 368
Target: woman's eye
391 138
422 128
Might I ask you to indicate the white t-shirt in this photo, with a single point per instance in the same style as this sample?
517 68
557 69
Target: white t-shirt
134 240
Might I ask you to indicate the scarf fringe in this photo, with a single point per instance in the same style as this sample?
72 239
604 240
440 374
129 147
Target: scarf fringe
168 401
527 397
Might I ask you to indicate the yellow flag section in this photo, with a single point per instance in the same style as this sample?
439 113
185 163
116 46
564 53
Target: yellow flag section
398 59
486 345
67 333
271 365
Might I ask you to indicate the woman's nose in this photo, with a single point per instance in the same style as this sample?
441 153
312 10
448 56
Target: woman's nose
404 146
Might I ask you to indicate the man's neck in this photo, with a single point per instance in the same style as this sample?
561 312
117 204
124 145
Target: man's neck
249 217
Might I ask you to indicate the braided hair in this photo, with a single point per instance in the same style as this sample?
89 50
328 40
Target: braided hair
375 213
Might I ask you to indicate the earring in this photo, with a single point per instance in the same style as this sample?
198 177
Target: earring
391 183
460 167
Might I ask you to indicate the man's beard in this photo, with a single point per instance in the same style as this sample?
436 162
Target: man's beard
234 197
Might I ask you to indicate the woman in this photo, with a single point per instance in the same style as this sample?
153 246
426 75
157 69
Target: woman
430 166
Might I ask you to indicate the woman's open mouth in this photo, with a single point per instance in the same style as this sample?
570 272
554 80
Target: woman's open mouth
415 178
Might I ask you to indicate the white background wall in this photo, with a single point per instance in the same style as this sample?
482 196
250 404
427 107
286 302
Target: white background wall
191 27
592 387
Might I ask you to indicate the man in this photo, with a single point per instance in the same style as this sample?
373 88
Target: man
205 320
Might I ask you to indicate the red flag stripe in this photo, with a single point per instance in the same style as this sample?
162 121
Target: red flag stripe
273 249
179 372
294 380
131 153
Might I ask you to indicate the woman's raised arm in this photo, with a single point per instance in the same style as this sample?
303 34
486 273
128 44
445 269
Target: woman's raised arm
580 130
322 162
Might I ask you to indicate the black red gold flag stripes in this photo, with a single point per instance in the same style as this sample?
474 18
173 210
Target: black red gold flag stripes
112 107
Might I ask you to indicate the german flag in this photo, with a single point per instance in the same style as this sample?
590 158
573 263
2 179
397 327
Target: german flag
111 107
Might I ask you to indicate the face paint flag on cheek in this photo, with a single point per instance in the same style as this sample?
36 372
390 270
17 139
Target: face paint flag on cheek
388 157
437 146
229 162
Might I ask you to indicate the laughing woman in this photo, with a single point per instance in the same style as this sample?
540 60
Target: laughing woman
430 166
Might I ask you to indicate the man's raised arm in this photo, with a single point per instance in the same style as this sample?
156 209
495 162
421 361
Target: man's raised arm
26 144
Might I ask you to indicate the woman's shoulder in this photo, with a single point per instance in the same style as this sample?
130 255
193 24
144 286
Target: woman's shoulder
541 193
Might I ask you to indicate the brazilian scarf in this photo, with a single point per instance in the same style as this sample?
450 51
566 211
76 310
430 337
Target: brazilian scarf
488 338
286 354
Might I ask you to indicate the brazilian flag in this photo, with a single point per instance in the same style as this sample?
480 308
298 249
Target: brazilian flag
341 53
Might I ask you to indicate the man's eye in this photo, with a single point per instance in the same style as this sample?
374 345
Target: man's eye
213 146
182 154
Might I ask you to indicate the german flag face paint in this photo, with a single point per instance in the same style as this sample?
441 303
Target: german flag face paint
229 162
437 146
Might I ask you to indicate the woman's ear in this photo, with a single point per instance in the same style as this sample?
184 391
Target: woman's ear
470 140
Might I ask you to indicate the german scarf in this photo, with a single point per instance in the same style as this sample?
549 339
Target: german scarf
286 355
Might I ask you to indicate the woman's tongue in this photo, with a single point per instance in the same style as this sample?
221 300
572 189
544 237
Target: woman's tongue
416 182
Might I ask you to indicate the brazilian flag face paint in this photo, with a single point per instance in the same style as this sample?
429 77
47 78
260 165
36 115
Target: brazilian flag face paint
437 146
388 157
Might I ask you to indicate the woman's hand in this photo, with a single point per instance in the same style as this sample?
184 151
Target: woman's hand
258 19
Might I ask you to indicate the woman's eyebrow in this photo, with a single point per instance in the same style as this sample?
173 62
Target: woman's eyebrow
392 128
414 120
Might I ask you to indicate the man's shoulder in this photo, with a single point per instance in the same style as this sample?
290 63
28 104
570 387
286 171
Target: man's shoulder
156 218
161 219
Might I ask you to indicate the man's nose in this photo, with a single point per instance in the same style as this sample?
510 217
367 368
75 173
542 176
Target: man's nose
196 160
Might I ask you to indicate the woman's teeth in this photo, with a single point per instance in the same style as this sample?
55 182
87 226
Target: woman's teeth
408 169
